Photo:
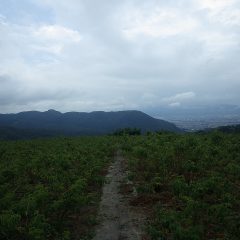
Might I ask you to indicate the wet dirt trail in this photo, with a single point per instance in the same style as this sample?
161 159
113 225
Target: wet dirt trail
118 220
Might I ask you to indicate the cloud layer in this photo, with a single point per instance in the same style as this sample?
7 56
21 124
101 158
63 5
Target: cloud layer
89 55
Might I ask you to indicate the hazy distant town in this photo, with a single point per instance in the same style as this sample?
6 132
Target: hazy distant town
192 125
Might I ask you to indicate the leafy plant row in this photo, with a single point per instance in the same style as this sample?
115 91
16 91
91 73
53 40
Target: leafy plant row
48 188
189 183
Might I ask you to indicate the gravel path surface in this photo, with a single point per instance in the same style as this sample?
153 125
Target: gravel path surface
117 219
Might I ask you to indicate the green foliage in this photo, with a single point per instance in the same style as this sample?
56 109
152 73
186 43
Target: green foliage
196 179
46 184
192 182
127 131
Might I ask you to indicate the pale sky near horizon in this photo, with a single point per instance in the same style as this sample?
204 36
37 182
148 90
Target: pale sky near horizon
86 55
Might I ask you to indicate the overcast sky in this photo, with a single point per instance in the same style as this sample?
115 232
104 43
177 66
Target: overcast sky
86 55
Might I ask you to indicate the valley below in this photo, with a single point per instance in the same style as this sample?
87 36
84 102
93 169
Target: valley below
192 125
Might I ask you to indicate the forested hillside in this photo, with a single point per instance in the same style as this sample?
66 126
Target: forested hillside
34 124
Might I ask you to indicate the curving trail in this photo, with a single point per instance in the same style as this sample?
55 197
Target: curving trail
118 220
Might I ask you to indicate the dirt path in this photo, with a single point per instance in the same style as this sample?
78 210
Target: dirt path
118 220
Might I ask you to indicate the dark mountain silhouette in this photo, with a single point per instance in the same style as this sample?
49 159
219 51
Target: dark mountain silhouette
224 129
9 133
230 129
52 123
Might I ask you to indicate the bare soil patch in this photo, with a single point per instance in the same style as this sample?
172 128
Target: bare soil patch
118 219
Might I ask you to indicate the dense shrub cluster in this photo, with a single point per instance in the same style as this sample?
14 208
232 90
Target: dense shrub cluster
46 184
127 131
192 182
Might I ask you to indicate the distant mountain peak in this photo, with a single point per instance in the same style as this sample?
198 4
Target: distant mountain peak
52 111
80 123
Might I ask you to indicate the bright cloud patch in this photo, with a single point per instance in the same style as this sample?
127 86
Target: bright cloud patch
157 23
52 39
226 12
58 33
215 4
175 104
178 98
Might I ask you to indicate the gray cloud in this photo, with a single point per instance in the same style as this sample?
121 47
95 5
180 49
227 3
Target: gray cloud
92 55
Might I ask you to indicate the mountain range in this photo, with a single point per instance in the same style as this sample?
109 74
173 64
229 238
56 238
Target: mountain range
32 124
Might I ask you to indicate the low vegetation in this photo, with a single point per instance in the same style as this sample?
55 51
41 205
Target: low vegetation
127 131
49 189
188 183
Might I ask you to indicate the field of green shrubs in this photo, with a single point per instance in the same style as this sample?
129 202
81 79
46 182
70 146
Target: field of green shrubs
189 184
49 189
